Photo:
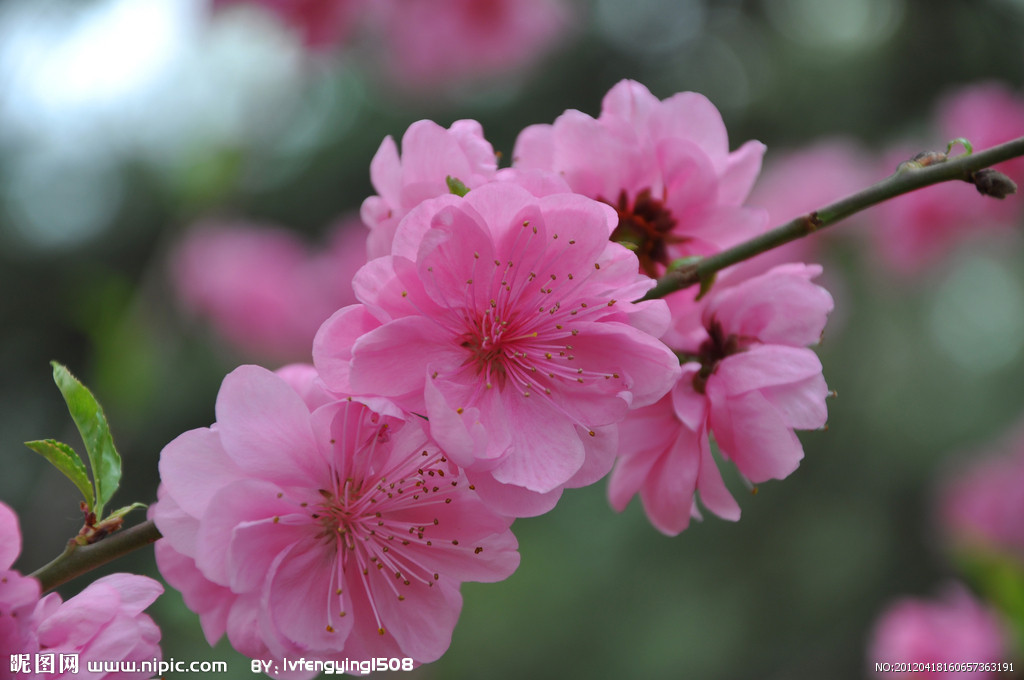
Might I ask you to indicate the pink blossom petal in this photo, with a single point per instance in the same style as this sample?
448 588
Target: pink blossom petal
740 172
713 493
301 607
194 467
177 526
534 148
332 346
264 426
801 404
509 499
385 171
753 434
134 592
601 449
213 602
668 492
381 365
462 435
691 116
764 366
241 502
631 102
652 372
781 306
423 621
544 455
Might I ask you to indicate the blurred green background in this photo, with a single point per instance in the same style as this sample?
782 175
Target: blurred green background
122 122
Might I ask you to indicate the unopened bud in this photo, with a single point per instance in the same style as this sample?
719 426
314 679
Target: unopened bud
993 183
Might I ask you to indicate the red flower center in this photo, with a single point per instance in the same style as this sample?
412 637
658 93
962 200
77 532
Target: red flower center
646 225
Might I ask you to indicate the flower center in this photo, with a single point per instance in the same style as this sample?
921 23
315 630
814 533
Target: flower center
717 347
495 346
368 520
646 225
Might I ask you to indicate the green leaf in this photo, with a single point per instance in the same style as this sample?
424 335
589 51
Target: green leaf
92 425
455 186
121 512
67 461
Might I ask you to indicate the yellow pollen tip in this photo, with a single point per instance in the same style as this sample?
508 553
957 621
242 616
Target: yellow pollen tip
276 520
459 410
330 629
380 630
592 433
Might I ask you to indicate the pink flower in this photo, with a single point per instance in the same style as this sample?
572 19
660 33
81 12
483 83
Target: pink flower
320 23
104 622
18 594
981 504
760 379
955 628
506 320
430 154
436 42
325 532
664 166
750 383
262 288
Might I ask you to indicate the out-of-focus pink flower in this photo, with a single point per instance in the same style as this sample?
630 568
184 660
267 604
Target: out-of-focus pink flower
919 227
104 622
437 42
955 628
326 533
664 166
981 504
505 319
321 24
263 289
430 154
751 382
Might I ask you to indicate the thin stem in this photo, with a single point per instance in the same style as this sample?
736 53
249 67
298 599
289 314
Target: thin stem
78 559
908 178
